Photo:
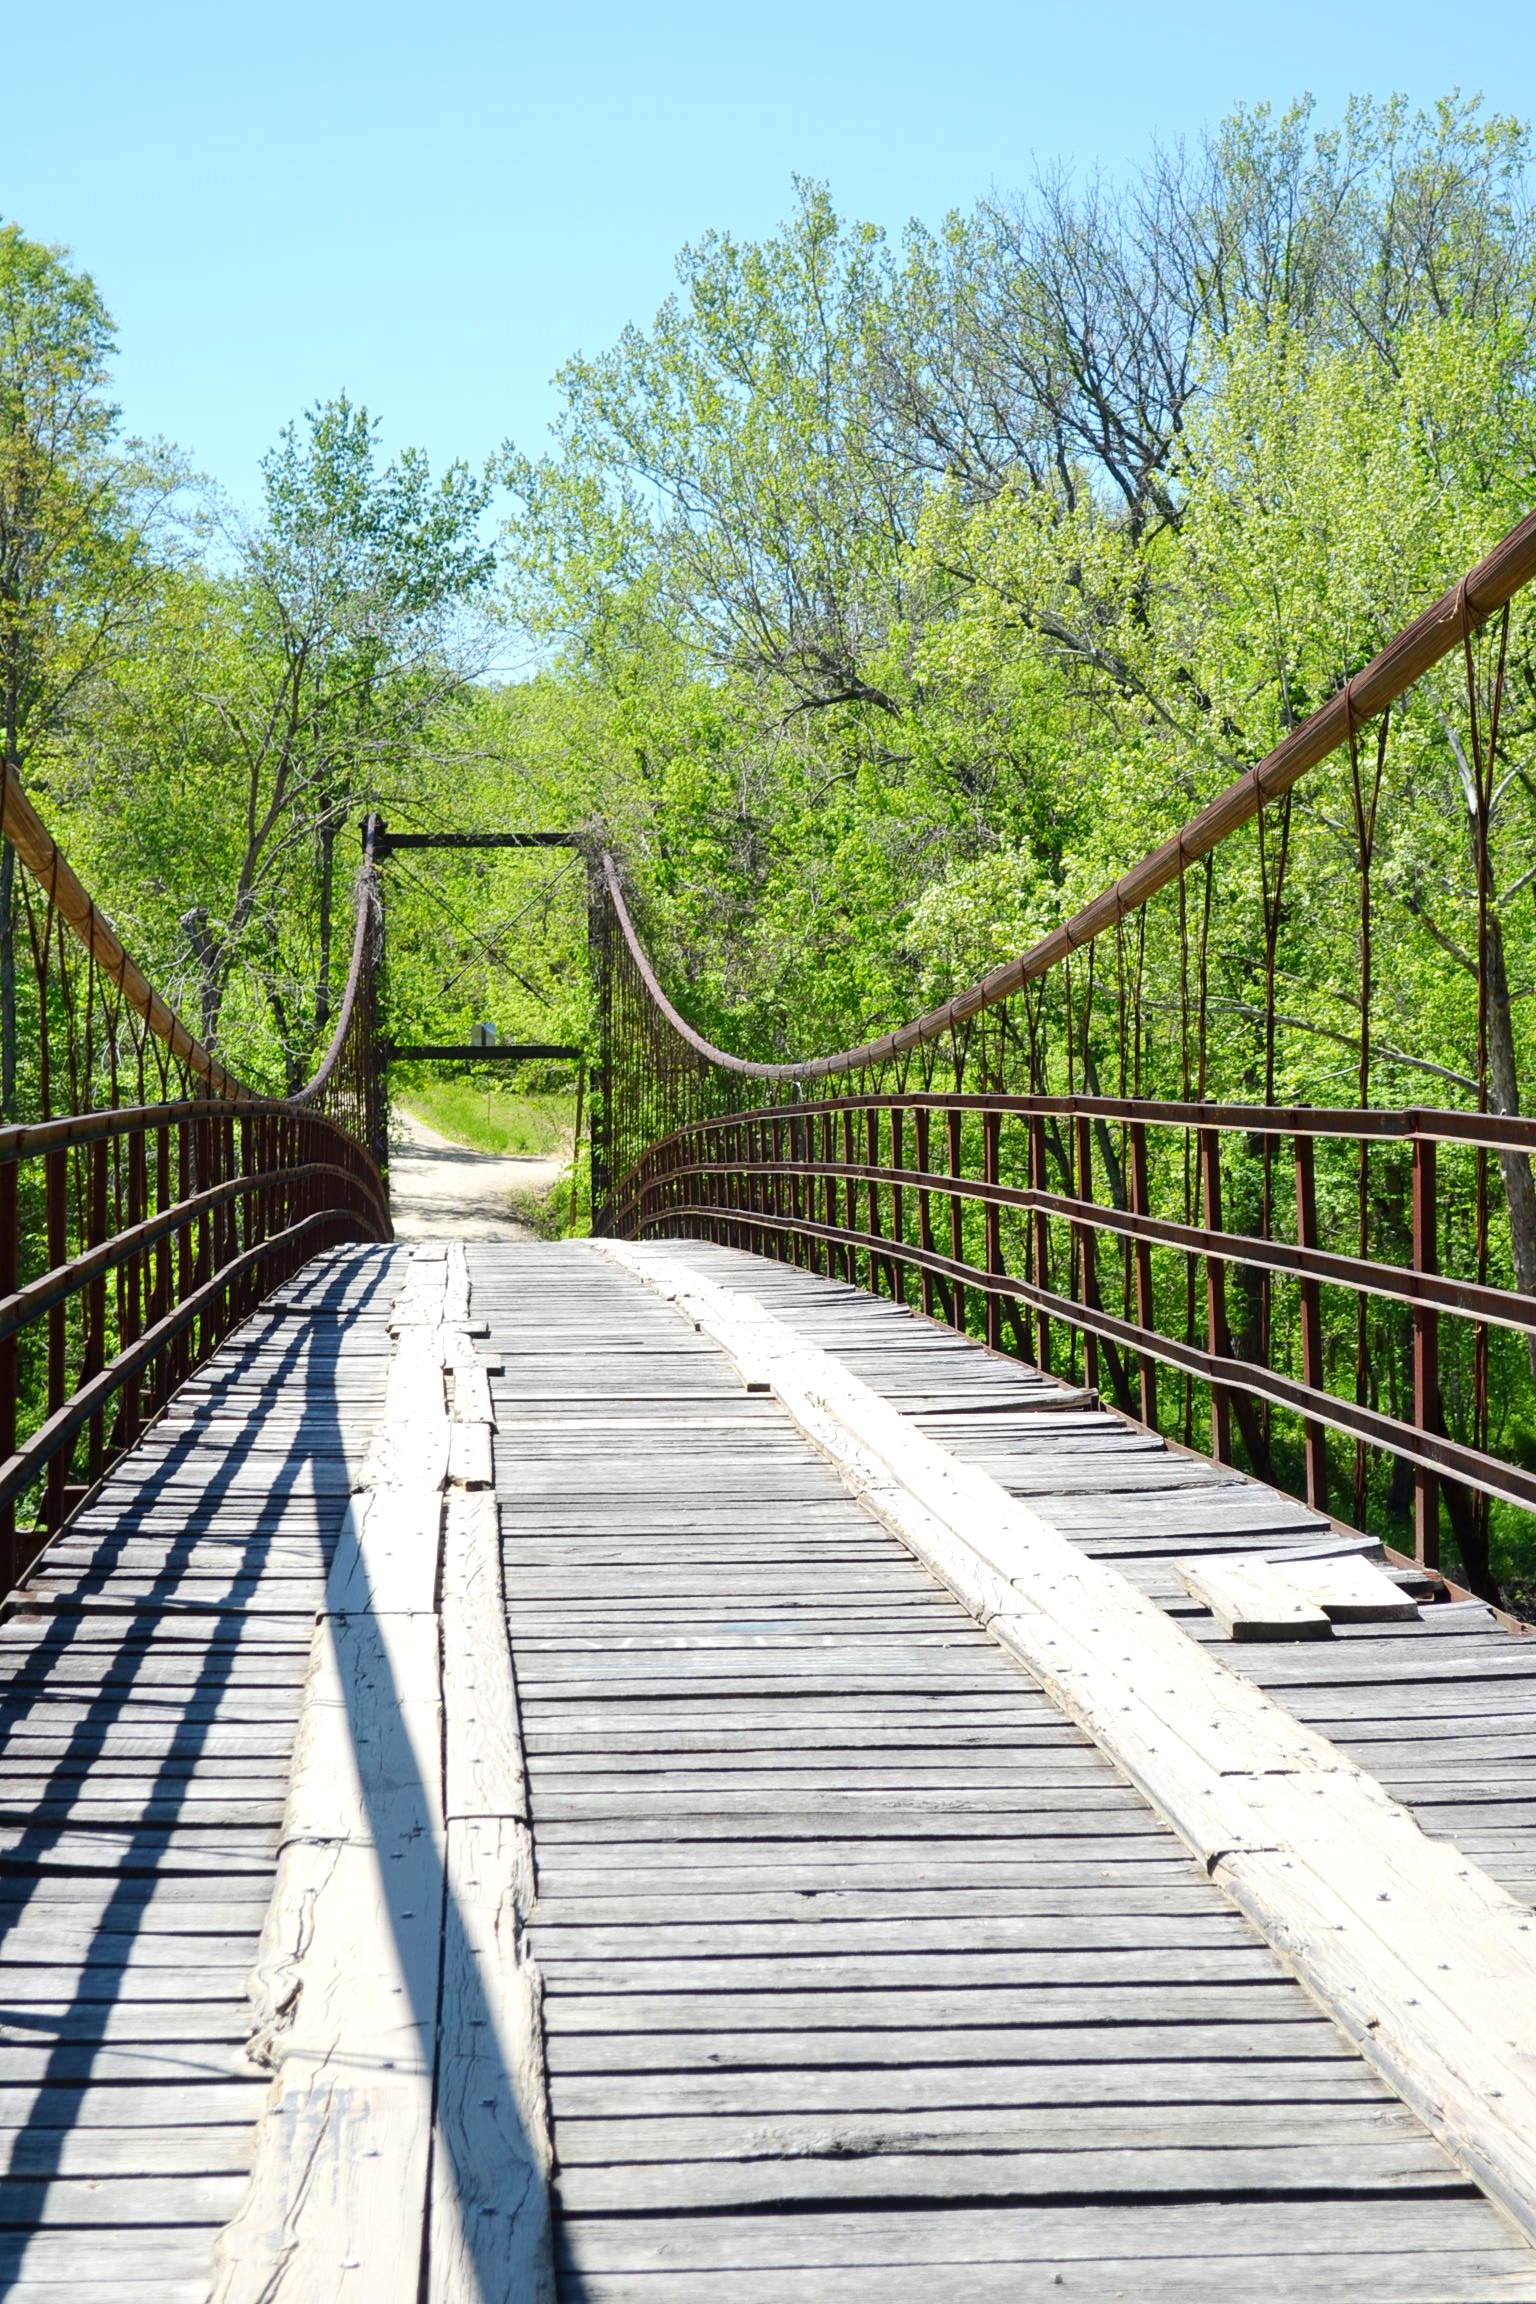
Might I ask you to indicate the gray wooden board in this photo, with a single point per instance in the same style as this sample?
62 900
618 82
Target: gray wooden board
1266 2090
909 2169
782 2004
1229 2236
148 1696
811 1852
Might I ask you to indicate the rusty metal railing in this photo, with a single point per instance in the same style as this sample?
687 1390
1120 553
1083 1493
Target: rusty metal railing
149 1200
1330 1292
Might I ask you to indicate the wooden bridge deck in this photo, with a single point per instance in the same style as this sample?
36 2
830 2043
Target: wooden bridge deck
864 1972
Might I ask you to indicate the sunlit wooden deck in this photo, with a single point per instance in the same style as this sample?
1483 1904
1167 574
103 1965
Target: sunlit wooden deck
864 1972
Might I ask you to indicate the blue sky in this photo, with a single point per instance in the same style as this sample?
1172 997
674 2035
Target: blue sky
432 208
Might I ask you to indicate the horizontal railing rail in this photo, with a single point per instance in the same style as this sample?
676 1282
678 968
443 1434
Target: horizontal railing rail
725 1179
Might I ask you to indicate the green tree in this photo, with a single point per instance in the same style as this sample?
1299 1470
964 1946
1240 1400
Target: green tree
293 683
75 519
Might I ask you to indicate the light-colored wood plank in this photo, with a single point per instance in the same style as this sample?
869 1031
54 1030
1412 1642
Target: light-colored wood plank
350 1978
491 2230
366 1764
484 1751
393 1966
469 1455
346 1985
386 1557
1350 1590
472 1392
1251 1600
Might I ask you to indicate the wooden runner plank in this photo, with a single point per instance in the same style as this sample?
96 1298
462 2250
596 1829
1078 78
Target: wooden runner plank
346 1990
405 2138
491 2235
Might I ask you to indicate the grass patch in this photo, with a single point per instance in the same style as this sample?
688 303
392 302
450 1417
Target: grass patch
489 1120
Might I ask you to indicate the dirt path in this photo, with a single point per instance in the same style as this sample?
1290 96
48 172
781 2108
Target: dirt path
440 1191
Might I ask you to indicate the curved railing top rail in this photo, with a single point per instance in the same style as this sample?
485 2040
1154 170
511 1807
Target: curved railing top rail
1455 616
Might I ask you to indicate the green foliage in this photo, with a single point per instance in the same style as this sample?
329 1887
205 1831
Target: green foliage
76 512
487 1117
887 599
304 673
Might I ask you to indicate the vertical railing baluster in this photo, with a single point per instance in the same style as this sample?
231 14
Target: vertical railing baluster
991 1141
1315 1434
850 1198
955 1122
10 1276
1218 1338
135 1275
747 1191
56 1219
185 1271
232 1311
1146 1302
924 1209
815 1146
95 1356
826 1185
1042 1224
777 1128
161 1285
872 1162
898 1204
250 1230
1426 1355
211 1173
1087 1250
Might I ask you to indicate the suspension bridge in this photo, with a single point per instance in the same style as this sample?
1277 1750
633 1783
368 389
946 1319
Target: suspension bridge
849 1734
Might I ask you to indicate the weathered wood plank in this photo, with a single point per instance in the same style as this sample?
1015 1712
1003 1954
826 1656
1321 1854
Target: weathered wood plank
490 2230
1251 1599
490 2221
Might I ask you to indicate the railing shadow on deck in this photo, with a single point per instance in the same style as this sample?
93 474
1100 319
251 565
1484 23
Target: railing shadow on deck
38 2143
393 1762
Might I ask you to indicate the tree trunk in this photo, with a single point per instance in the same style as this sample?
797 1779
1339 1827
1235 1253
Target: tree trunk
1471 1534
7 980
205 952
1249 1345
1504 1096
1113 1172
328 830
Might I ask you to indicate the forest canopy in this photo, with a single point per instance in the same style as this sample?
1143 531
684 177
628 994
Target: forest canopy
883 596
